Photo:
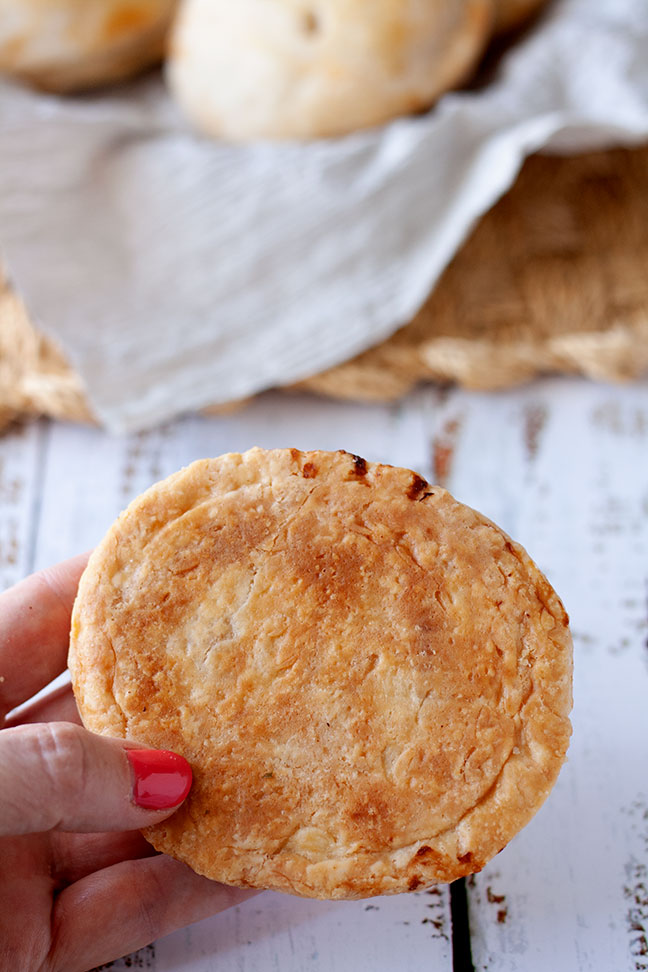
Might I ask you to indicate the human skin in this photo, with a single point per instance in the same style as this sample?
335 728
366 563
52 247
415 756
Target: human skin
79 885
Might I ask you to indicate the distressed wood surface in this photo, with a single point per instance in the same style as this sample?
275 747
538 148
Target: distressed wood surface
569 479
21 456
563 467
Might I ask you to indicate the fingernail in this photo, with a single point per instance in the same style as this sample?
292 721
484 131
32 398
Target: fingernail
161 779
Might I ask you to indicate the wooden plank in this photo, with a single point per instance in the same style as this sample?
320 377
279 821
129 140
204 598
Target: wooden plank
564 467
89 477
408 933
21 452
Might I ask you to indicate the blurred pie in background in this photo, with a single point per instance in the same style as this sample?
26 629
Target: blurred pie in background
262 68
66 45
292 69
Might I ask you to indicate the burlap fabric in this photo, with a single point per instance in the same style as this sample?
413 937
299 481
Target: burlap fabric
552 279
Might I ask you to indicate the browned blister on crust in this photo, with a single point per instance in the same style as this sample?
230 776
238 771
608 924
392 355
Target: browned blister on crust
371 681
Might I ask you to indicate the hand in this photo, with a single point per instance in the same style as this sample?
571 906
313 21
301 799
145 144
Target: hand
79 885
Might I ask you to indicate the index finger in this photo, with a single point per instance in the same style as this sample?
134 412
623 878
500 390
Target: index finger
35 630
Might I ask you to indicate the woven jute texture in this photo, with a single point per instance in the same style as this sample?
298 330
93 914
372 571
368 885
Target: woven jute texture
553 279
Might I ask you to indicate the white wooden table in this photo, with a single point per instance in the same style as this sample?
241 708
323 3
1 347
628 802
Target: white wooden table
563 467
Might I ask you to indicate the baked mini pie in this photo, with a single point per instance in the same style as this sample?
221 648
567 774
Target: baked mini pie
296 69
65 45
371 681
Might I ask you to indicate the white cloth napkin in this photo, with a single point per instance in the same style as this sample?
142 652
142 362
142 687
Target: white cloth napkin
178 272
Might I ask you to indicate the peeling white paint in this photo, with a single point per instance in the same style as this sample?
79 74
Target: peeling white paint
563 467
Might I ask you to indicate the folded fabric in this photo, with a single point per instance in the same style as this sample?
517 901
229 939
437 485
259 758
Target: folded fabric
178 272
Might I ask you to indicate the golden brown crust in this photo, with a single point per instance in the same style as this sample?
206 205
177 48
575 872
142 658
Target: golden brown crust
71 45
371 681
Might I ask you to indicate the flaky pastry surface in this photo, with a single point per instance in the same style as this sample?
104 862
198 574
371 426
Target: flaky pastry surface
371 681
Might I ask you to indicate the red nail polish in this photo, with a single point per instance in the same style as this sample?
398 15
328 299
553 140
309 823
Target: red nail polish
161 779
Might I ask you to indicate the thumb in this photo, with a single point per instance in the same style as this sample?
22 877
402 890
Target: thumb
58 776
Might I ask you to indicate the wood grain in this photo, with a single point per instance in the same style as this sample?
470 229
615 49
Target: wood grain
563 466
20 492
